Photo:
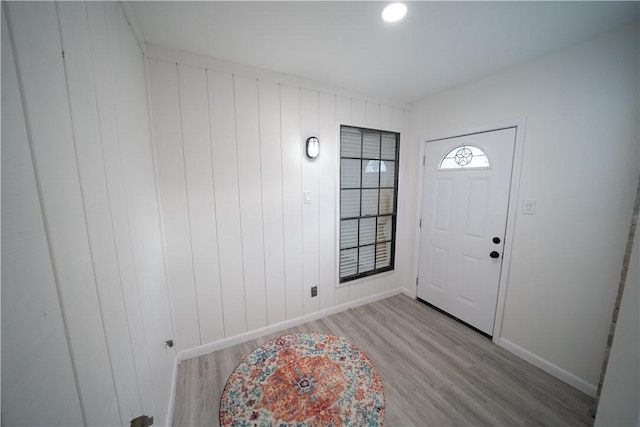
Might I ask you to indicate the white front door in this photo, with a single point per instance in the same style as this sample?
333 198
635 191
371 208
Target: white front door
464 212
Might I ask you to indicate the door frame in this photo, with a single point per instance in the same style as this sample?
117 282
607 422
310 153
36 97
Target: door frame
512 209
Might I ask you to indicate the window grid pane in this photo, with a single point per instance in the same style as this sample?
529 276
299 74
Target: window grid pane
349 173
368 201
371 145
350 142
366 259
383 254
348 233
388 174
349 203
348 262
370 173
367 231
388 146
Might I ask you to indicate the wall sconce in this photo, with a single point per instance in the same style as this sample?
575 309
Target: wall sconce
313 147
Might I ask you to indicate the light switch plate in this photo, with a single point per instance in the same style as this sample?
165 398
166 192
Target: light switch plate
307 197
529 207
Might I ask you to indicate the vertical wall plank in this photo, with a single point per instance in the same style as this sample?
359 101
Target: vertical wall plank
381 284
327 174
398 118
310 211
343 110
373 114
142 200
250 187
194 110
86 129
386 117
225 177
292 199
359 112
171 179
272 216
103 26
38 55
32 323
343 116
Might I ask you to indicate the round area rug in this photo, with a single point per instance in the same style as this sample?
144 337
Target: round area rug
304 379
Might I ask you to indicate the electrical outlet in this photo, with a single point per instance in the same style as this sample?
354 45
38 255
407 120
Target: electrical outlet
314 291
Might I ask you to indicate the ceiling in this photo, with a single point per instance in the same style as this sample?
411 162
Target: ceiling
438 45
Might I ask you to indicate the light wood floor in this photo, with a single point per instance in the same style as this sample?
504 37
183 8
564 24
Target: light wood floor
435 371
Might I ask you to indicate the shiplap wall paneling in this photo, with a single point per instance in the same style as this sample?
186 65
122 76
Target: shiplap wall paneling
327 172
165 95
292 199
105 38
38 55
86 130
310 211
398 119
373 114
272 247
386 116
343 117
88 118
250 188
143 207
404 276
32 322
225 177
194 107
403 248
272 209
358 112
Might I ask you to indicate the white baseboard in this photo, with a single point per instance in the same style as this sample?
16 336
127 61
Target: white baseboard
247 336
407 292
549 367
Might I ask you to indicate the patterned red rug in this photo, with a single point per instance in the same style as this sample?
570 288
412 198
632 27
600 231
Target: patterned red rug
304 379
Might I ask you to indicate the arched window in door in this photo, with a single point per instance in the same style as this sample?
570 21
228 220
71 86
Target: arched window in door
465 157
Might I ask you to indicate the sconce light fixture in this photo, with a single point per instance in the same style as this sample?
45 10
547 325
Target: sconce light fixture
313 147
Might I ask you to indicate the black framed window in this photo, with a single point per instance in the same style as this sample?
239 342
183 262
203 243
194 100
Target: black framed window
368 201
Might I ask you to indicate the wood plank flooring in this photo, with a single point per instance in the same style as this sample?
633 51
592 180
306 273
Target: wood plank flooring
435 371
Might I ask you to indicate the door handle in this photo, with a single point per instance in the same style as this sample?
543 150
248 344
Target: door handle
494 254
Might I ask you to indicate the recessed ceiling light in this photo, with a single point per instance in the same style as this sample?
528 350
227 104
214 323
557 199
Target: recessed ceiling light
394 12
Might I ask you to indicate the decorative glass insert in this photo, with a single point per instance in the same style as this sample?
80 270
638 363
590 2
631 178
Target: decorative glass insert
465 157
368 201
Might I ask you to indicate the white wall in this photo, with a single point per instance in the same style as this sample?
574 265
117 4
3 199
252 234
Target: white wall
581 167
620 399
85 307
243 250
